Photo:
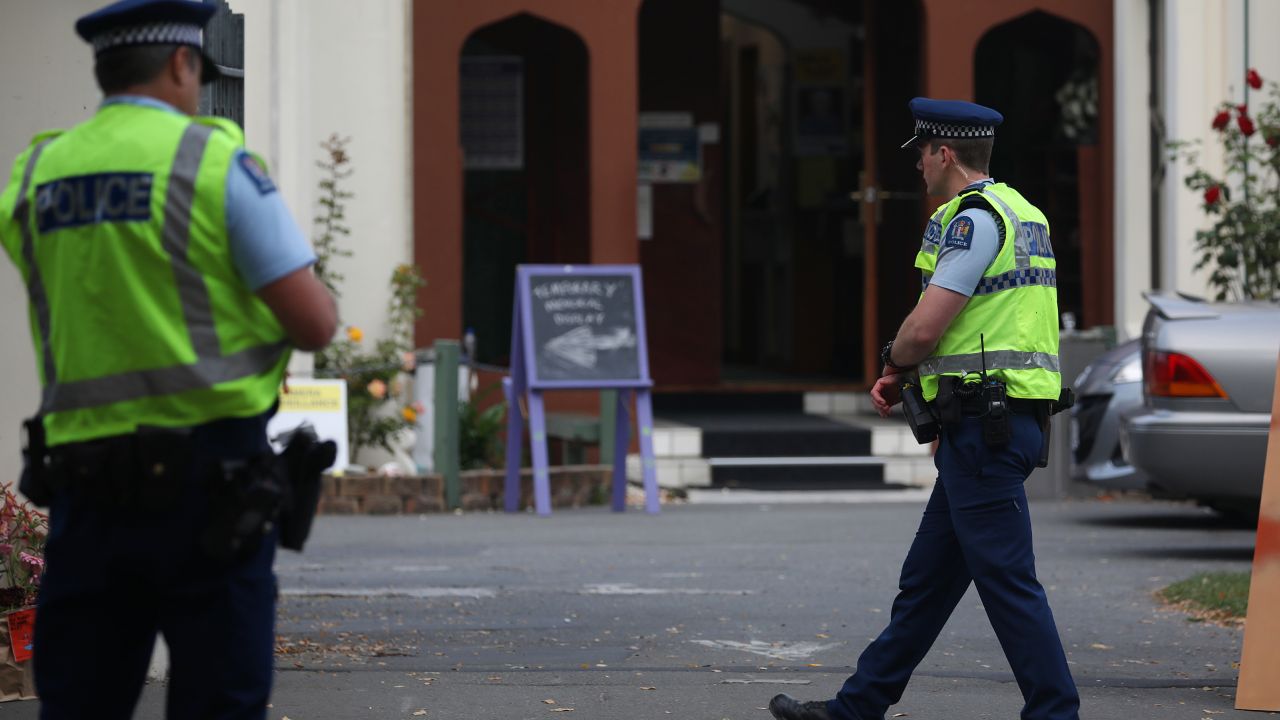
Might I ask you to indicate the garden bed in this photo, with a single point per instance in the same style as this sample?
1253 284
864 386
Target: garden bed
571 486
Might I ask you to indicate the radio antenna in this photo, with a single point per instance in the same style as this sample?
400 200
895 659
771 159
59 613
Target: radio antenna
982 344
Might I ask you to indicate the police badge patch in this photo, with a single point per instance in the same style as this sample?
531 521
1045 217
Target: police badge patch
959 233
255 172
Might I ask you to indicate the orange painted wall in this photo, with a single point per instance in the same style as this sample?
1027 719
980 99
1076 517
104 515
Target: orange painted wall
440 28
952 31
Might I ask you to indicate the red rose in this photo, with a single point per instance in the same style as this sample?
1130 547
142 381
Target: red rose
1254 79
1221 119
1242 109
1211 194
1246 125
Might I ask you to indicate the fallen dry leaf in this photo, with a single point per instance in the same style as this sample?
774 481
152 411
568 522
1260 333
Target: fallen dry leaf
649 687
902 715
419 712
561 709
548 701
1100 646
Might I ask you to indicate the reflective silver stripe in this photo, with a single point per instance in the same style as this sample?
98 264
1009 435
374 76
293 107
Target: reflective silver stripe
211 367
1016 279
204 373
1021 250
35 284
933 233
179 199
996 360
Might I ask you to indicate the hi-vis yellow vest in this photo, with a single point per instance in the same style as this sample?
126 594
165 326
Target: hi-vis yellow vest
1015 306
138 315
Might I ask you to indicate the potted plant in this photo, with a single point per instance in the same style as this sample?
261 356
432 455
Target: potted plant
22 537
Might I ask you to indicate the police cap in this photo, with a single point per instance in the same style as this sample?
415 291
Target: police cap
130 23
951 119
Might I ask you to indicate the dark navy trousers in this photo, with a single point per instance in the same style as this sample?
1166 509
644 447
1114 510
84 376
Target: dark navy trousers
115 578
976 528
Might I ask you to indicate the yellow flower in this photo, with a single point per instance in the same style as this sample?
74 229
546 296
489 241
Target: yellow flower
410 415
355 334
378 389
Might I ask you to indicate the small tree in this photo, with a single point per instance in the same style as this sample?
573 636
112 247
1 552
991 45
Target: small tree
1242 247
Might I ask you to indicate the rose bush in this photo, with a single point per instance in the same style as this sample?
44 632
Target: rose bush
377 405
1242 246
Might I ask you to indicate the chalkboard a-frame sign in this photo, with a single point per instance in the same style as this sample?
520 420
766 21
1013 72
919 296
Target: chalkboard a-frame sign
578 327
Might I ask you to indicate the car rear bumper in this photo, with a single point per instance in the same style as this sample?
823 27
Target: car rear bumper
1199 455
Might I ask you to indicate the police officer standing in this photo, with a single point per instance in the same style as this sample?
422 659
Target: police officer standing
167 282
983 341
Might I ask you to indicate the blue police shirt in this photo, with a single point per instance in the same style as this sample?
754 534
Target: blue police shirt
969 245
265 241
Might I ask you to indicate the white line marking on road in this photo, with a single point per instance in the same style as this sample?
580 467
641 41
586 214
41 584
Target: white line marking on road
777 650
388 592
629 589
807 497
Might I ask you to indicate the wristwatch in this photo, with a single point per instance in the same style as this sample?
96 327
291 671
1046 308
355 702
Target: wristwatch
886 357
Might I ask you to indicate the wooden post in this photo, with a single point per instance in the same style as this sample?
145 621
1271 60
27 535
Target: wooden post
1259 687
446 421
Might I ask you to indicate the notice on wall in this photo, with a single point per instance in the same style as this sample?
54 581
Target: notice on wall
323 404
821 105
644 212
670 148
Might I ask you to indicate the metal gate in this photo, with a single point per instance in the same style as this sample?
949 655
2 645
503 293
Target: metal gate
224 42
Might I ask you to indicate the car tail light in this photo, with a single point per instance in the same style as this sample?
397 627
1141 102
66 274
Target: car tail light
1170 374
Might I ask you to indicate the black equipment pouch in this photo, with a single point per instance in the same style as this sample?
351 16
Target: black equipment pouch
1066 400
919 416
244 503
36 481
995 416
947 402
305 459
151 475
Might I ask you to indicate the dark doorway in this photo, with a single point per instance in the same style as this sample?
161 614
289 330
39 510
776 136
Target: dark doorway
823 215
1041 72
795 150
524 128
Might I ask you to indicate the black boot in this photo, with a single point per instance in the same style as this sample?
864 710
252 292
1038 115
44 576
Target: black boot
785 707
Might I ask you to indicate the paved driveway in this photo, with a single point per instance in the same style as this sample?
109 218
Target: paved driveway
706 611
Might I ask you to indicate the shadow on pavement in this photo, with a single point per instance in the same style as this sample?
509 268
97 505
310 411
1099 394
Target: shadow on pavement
1191 520
1242 553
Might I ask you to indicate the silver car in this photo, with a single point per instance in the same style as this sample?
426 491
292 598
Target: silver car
1209 375
1110 387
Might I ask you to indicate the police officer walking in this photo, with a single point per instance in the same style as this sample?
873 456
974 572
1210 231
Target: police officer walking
167 282
981 348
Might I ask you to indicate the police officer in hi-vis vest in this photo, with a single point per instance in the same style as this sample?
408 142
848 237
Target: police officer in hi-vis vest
167 283
976 366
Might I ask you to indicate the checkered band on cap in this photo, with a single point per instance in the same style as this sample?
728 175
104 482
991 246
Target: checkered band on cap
165 33
930 128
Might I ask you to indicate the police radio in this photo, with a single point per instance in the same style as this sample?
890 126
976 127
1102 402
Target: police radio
995 405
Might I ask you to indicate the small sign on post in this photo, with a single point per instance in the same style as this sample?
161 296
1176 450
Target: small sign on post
578 327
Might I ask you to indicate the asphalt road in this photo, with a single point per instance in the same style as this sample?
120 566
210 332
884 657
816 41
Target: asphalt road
707 611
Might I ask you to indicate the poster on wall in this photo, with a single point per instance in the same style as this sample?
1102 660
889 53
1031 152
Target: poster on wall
821 104
670 148
491 122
